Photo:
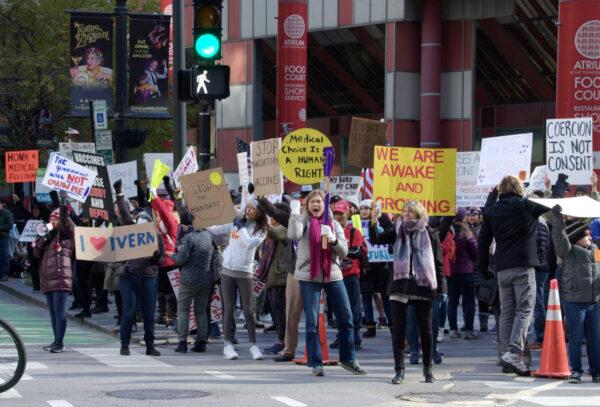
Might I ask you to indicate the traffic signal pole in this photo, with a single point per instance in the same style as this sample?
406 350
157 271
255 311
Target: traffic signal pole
179 121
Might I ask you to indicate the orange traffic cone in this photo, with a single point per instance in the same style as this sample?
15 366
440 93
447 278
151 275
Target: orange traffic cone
323 339
554 362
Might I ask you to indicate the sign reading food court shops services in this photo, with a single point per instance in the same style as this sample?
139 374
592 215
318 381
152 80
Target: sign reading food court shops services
301 156
569 149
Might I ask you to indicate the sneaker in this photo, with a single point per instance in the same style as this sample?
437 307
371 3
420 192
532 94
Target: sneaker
270 330
440 335
437 357
353 367
575 377
100 309
199 347
514 362
125 351
83 314
596 378
283 358
335 344
256 353
230 353
382 323
182 347
116 329
535 346
454 334
274 350
318 371
151 351
48 347
57 348
471 335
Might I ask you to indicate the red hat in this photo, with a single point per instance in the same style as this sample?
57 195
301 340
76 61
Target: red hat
341 206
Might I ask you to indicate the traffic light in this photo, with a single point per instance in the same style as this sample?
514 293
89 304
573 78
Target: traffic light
207 30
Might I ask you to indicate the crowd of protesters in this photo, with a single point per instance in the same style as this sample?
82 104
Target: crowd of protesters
496 260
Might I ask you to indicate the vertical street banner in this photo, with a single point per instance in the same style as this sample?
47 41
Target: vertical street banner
292 51
166 6
578 64
100 201
569 149
91 61
21 166
415 174
148 65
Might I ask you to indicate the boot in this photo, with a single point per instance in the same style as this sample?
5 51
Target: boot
399 377
151 351
483 321
370 332
428 374
182 347
199 347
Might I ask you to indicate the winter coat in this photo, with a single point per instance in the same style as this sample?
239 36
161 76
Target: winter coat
6 223
193 257
512 222
543 243
279 267
56 265
580 276
241 250
298 230
351 265
169 235
465 254
377 276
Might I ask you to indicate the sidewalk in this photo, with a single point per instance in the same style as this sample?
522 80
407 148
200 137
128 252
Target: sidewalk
100 322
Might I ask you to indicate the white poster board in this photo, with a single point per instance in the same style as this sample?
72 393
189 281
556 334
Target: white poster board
29 233
536 180
345 186
504 155
127 173
188 165
66 149
569 149
578 206
468 193
63 174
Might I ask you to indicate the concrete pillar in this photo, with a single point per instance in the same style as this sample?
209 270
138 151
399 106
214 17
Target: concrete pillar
431 65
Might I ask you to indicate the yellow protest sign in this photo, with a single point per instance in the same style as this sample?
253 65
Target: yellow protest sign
301 156
158 172
421 174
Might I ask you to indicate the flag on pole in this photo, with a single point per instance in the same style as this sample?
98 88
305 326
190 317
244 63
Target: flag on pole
243 147
71 131
367 185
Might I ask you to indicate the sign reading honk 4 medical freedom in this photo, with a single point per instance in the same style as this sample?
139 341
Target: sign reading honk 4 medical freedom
115 243
422 174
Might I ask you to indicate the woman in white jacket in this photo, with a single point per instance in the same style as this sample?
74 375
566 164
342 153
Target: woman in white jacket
245 235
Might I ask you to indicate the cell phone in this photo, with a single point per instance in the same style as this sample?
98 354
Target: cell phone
378 206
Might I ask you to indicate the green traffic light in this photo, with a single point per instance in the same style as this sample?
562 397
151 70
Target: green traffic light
207 45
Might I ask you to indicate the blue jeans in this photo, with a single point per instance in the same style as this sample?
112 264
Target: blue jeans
461 284
539 312
352 284
412 330
131 286
4 256
583 318
57 305
336 292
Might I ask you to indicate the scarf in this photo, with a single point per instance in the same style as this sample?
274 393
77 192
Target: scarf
319 259
413 245
266 255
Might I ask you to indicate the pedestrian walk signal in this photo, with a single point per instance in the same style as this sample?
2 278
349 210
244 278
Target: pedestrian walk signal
207 30
203 82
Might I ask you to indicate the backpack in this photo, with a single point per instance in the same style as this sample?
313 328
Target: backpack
449 252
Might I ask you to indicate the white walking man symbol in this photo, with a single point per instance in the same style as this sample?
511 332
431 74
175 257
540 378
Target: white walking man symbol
201 81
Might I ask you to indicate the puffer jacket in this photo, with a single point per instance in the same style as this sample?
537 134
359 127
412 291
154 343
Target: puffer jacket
580 276
278 266
56 266
194 257
465 255
543 243
298 230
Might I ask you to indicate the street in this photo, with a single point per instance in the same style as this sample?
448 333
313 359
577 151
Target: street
91 373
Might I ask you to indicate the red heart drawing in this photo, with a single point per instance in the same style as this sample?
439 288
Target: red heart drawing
98 242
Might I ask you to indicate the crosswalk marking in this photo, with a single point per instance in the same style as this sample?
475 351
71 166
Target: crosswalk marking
30 366
288 401
111 357
218 374
59 403
10 394
563 401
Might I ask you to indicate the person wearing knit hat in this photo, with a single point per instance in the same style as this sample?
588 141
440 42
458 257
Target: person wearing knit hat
353 201
580 291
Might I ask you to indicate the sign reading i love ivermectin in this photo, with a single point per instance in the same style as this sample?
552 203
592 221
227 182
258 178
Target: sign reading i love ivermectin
116 243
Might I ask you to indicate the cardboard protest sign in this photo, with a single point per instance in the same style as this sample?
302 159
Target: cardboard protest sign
207 198
174 276
266 176
65 175
569 149
66 149
468 193
378 253
29 233
42 192
536 180
127 173
216 306
149 158
578 206
100 201
115 243
365 134
188 165
502 156
301 156
345 186
424 174
21 166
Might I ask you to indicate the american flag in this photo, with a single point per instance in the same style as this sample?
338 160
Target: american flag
367 185
243 147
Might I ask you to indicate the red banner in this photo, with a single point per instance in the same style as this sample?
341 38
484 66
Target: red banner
578 74
166 6
292 44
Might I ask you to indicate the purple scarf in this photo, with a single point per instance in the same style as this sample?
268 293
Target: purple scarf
266 255
413 243
319 259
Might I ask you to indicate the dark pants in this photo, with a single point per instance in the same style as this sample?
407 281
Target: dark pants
583 319
167 302
423 312
34 270
277 300
539 311
119 304
97 282
57 305
4 256
84 281
129 286
412 327
461 285
352 284
367 301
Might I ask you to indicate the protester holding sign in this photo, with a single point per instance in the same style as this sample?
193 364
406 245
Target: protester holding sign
56 250
38 213
418 276
319 269
245 235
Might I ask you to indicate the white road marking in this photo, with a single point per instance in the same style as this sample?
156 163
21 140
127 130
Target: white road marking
448 386
111 357
59 403
288 401
563 401
218 374
10 394
30 366
524 379
520 395
26 377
